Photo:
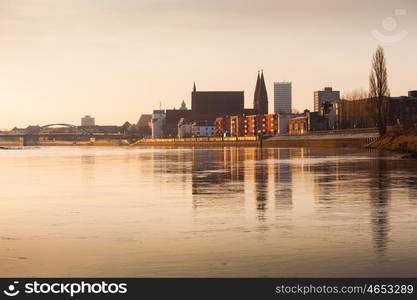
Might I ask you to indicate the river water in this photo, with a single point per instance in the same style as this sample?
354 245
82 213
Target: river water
218 212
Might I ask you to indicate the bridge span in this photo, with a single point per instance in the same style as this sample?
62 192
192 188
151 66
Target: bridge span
63 139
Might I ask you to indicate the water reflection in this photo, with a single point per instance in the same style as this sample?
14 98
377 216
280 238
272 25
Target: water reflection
207 212
220 175
379 187
283 178
88 162
261 183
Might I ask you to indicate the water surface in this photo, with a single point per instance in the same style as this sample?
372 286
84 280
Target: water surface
219 212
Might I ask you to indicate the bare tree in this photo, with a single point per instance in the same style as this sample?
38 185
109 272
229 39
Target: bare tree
379 90
357 94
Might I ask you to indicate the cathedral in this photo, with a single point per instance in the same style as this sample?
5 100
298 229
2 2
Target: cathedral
260 99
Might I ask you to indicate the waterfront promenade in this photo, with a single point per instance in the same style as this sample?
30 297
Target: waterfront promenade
355 138
335 138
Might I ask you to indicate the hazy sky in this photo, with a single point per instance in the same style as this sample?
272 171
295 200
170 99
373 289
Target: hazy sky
116 59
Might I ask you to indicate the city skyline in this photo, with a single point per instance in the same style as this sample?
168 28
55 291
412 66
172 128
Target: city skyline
116 60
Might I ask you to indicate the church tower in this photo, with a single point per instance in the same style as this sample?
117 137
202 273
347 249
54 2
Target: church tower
183 105
260 100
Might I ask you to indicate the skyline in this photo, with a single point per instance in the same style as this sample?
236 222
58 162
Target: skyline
115 61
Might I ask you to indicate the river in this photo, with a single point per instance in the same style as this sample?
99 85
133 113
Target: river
217 212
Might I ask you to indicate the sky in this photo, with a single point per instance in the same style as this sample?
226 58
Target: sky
117 59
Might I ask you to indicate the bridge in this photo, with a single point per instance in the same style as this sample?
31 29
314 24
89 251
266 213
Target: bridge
83 130
37 136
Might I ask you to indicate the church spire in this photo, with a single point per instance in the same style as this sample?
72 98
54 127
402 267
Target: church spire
194 89
255 95
263 95
260 102
183 105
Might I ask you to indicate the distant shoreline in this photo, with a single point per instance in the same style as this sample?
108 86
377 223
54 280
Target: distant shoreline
312 140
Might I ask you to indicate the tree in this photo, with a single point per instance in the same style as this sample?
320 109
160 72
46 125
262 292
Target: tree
379 90
357 94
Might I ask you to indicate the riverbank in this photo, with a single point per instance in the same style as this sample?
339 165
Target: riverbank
319 139
322 140
405 142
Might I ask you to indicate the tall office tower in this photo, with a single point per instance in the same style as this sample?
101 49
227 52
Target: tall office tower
326 95
260 99
282 97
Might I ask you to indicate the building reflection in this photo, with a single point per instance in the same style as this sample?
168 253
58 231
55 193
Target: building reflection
245 177
261 182
87 163
217 172
379 186
283 178
346 181
239 172
218 177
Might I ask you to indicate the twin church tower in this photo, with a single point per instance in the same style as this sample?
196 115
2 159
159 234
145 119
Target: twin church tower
260 99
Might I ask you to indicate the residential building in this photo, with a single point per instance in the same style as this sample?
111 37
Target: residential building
144 125
298 126
237 125
203 129
87 121
222 126
172 117
31 129
311 121
326 95
253 125
283 122
185 129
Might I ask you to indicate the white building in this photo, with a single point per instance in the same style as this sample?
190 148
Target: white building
184 129
326 95
282 97
88 121
158 122
203 129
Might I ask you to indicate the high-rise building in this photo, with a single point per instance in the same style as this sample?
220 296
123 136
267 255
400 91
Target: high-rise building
326 95
260 99
282 97
87 121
